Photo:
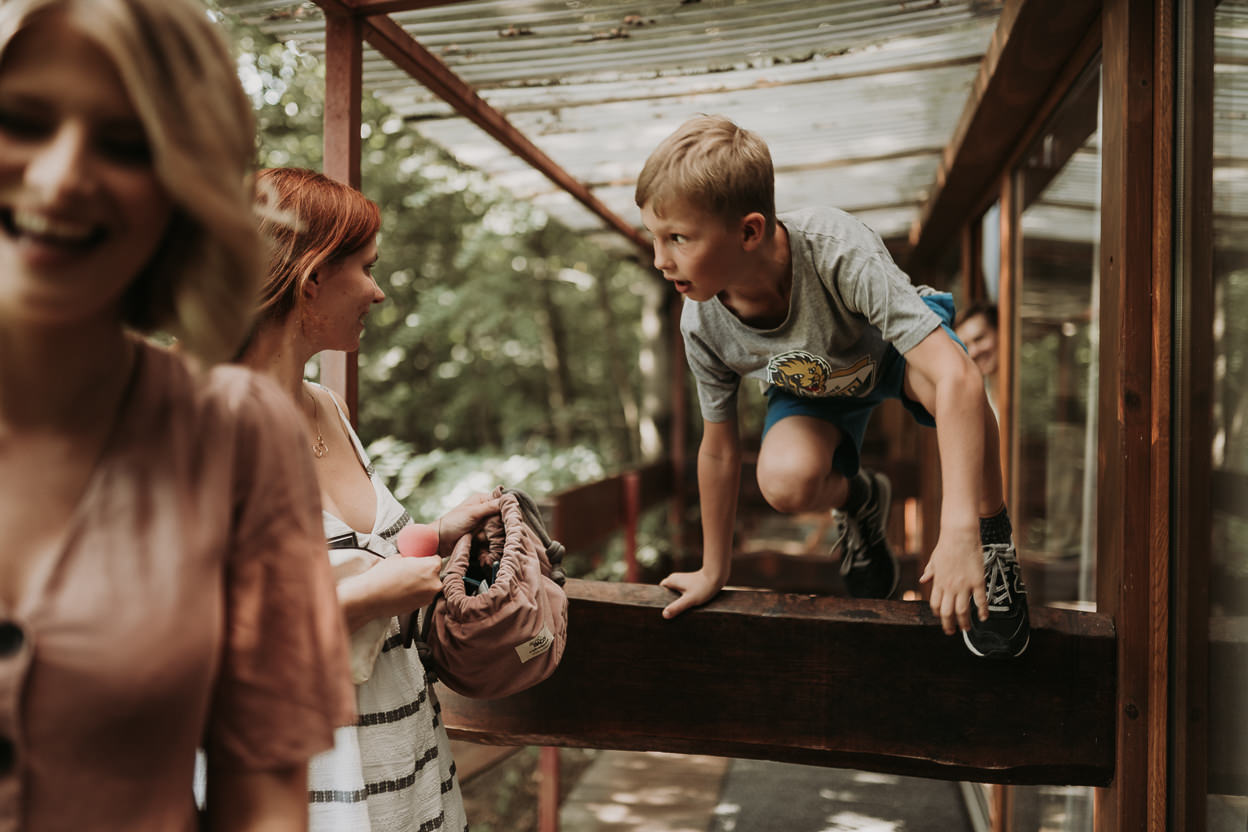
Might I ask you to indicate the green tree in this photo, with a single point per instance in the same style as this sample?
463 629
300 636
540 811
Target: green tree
491 342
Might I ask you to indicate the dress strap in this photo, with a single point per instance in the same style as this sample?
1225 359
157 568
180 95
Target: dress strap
346 423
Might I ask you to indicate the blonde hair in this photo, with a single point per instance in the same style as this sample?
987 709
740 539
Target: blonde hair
182 80
714 165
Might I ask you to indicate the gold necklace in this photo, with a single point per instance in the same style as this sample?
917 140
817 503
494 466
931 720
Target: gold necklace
319 449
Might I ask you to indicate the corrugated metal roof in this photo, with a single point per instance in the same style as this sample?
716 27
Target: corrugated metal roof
855 97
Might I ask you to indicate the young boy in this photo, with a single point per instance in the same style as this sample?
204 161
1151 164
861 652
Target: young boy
811 304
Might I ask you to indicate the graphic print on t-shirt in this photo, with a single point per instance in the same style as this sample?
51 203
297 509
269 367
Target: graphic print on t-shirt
805 374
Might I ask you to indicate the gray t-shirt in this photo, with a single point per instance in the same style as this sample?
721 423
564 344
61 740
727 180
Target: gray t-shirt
849 301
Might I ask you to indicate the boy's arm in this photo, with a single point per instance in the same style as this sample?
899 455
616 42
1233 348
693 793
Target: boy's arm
719 476
945 381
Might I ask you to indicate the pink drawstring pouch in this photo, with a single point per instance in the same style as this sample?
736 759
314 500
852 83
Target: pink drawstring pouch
500 624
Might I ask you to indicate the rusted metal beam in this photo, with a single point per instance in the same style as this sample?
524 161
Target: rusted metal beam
837 682
344 67
392 41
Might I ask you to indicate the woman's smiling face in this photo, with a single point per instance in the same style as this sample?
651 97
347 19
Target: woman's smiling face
82 210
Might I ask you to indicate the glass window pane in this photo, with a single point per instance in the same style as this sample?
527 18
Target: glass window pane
1059 222
1059 182
1228 572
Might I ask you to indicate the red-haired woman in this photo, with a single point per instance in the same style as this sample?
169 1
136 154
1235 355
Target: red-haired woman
393 770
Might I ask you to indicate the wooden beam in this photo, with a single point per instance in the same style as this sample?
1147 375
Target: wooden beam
1198 492
392 41
1157 49
1008 279
1133 483
837 682
344 63
1028 50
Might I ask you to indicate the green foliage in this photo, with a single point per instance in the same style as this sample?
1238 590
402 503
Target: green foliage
429 484
460 356
487 363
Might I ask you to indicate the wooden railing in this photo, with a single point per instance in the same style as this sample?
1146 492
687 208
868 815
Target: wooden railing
585 516
871 685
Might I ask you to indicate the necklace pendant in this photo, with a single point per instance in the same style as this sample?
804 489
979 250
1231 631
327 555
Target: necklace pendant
319 449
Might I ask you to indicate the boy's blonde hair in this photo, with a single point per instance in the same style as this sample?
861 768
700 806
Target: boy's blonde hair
714 165
182 81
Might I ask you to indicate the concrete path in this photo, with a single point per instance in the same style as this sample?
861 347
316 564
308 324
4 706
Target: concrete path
655 792
645 791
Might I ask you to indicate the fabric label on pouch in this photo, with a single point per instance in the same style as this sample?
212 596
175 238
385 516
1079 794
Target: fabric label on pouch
535 646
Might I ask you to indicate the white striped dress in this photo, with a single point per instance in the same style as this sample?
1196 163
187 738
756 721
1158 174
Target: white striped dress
392 771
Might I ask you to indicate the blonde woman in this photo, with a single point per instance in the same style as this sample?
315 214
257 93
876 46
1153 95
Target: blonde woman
163 580
391 772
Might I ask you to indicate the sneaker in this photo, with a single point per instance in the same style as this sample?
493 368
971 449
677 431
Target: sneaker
1007 632
868 565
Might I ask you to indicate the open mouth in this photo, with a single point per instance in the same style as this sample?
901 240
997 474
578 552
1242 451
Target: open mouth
69 236
682 286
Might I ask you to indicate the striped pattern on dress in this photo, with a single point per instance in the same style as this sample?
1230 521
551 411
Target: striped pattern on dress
392 771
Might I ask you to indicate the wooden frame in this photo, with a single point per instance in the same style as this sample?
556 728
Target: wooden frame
1192 429
1032 44
1134 496
1157 725
344 62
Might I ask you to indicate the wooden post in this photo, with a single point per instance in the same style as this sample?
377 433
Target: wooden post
548 790
1007 340
1002 807
632 513
1134 399
344 49
678 432
1192 427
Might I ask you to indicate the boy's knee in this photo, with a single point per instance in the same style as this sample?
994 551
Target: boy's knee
797 489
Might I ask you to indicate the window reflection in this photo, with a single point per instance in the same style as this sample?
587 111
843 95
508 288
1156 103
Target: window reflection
1059 182
1228 568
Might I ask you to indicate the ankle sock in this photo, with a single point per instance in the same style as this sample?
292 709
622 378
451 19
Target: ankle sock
997 528
859 491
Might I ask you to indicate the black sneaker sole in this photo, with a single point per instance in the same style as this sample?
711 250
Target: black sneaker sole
995 654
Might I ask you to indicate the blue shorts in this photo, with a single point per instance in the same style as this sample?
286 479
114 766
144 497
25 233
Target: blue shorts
851 414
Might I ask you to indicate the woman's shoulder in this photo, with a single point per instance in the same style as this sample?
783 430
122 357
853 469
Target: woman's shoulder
224 396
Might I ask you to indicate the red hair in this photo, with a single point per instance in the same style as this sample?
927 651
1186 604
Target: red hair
308 220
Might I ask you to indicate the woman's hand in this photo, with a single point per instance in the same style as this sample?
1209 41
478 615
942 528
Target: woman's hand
465 518
394 586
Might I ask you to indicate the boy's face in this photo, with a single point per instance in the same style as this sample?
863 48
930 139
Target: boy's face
697 253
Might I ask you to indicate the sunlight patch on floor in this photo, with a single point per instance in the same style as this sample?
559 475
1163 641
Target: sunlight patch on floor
854 822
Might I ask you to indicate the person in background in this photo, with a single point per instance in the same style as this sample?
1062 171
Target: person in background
393 771
976 326
163 581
